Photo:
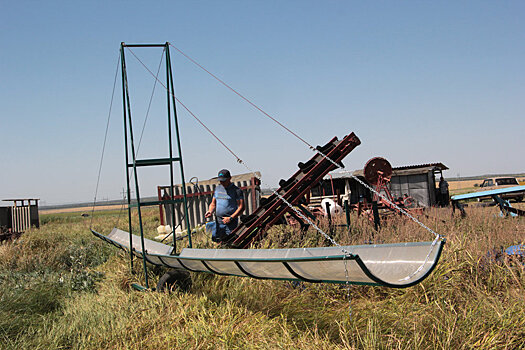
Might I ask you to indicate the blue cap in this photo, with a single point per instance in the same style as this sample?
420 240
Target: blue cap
224 175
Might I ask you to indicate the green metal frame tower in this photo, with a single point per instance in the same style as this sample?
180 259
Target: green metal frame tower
129 145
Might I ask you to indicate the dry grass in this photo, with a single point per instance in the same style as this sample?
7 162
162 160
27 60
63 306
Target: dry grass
63 288
463 184
87 209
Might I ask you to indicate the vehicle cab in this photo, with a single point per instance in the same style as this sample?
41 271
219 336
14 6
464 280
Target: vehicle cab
502 182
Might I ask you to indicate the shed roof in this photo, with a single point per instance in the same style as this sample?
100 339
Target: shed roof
440 166
20 199
397 171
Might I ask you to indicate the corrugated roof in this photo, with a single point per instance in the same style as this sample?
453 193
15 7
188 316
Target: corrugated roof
441 166
342 174
20 199
402 170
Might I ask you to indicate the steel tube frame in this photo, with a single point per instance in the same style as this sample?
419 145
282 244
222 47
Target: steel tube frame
143 45
172 89
124 94
135 176
129 145
170 147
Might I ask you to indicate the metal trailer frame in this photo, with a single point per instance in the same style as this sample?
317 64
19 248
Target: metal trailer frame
129 146
504 206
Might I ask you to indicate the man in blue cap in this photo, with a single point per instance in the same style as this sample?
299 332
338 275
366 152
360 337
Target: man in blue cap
228 205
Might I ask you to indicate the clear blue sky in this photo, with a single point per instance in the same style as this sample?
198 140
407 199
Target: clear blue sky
417 81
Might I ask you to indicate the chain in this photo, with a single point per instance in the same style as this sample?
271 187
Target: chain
346 252
310 222
436 235
348 289
396 206
338 165
294 134
346 255
401 210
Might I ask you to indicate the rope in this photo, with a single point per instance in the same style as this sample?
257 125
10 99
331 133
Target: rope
396 206
347 284
150 100
184 106
299 213
254 105
241 96
239 160
104 145
106 134
141 133
338 165
437 236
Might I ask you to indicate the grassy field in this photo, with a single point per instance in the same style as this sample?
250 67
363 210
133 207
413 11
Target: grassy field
62 288
466 186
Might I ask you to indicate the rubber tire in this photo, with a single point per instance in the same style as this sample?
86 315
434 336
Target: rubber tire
175 279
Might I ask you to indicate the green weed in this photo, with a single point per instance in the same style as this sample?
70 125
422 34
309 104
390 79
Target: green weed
64 288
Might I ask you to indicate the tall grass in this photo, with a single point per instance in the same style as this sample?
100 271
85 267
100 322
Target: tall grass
64 288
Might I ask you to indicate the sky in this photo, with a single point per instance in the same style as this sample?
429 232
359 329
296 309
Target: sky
417 81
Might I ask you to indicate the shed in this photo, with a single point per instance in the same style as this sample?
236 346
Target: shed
22 215
417 181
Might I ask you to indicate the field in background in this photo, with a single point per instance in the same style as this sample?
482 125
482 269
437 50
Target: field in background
81 209
456 186
64 288
460 186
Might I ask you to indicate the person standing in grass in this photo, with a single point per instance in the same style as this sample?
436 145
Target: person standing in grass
443 192
228 205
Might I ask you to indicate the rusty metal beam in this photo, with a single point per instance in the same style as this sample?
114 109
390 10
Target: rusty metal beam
254 226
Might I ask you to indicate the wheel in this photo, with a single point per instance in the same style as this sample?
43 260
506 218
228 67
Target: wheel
175 279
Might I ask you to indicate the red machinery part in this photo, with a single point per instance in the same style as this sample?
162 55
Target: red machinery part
375 168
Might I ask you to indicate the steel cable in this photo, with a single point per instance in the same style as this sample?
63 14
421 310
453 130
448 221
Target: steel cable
338 165
104 144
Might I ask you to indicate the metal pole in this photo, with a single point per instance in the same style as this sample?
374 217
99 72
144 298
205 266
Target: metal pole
327 205
172 88
136 186
172 189
347 212
375 210
124 94
161 213
144 45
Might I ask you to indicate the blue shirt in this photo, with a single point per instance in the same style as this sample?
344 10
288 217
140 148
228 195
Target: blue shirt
226 200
